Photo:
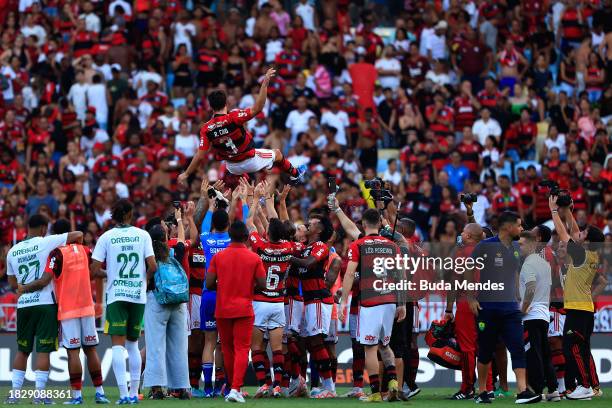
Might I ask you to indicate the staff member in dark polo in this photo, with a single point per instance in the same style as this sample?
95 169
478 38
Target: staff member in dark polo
233 273
498 311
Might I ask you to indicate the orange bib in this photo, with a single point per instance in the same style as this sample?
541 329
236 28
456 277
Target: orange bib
73 287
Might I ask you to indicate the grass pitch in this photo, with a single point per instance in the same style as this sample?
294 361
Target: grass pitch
428 398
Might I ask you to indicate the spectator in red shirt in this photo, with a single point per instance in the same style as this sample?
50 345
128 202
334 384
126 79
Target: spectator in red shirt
234 273
439 116
466 106
505 200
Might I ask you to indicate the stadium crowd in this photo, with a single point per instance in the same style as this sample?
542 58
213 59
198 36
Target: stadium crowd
104 100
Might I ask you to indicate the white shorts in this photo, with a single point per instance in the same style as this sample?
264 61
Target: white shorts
557 322
318 317
332 334
263 159
353 323
79 332
372 321
294 313
269 315
194 312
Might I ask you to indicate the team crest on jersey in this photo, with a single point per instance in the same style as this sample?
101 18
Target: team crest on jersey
216 125
481 326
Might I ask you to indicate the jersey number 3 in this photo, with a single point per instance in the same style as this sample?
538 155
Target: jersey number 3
229 143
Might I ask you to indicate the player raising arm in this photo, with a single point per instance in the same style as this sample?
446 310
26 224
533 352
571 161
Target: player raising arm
226 135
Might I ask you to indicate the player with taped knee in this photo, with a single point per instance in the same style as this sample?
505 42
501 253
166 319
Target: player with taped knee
117 247
226 135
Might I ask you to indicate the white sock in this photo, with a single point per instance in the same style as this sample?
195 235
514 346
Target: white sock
561 384
17 379
119 370
100 390
328 384
76 393
135 362
41 379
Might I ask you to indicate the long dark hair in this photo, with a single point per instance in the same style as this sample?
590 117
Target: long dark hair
160 244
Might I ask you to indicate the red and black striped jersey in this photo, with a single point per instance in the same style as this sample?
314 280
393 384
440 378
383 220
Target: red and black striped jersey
208 60
570 25
136 172
289 64
197 269
228 137
470 154
365 251
313 279
106 162
275 257
465 113
489 99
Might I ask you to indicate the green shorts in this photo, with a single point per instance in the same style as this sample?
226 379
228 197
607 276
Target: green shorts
38 322
124 319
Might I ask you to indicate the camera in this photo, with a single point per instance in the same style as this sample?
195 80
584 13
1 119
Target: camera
378 191
221 202
563 196
468 198
176 204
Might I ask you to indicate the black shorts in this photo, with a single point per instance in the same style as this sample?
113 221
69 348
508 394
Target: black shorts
398 338
493 324
183 81
208 79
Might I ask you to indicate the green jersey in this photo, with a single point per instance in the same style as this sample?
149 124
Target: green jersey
27 260
124 249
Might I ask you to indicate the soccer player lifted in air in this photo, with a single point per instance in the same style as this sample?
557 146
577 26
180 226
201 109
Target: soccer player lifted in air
228 138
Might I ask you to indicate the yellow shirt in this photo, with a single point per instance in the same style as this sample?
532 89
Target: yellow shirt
578 281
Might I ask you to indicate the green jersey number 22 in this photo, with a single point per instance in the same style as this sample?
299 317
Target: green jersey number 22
132 258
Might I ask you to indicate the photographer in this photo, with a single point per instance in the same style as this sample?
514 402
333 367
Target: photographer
166 334
582 273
